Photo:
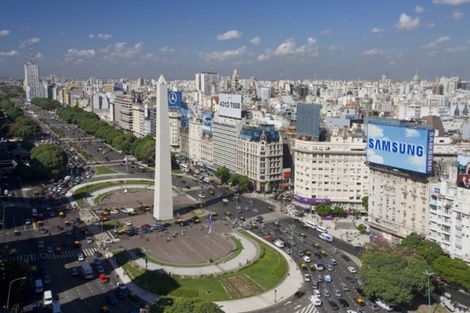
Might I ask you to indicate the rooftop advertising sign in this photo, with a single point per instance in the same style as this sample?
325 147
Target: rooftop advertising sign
401 147
230 105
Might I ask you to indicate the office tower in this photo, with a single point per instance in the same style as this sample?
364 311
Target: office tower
32 86
163 197
308 120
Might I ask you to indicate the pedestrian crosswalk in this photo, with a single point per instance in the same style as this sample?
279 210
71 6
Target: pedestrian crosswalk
65 254
308 309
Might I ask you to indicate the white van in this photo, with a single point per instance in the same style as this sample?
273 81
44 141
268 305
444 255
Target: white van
38 287
47 298
384 305
279 243
321 229
315 300
207 180
311 224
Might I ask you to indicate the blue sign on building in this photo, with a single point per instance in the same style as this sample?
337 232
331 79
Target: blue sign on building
175 100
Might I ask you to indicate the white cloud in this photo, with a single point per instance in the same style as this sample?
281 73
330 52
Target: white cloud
374 51
434 44
375 131
377 30
419 9
335 48
231 34
457 15
167 49
38 55
411 133
456 49
255 40
100 36
79 55
430 25
223 55
263 57
289 47
4 32
406 22
326 32
451 2
120 50
11 53
25 43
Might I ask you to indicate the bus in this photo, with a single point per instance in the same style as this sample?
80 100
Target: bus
311 224
326 237
185 168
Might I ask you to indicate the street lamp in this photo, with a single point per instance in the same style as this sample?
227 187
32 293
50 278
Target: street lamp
146 273
9 290
428 274
275 295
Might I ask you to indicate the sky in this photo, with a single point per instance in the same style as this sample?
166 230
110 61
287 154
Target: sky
267 40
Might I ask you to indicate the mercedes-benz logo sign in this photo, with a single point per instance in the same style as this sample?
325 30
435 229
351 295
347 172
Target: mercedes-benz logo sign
172 98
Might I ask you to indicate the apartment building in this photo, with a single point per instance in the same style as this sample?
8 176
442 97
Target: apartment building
123 111
200 143
224 139
259 156
333 171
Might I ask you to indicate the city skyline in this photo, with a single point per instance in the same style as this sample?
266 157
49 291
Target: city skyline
301 40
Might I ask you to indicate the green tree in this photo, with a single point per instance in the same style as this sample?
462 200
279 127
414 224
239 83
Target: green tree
48 160
338 211
244 183
365 203
452 270
234 179
23 127
223 174
393 274
193 305
427 249
145 150
323 209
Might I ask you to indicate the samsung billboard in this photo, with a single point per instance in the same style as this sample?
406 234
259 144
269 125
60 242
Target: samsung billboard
401 147
230 105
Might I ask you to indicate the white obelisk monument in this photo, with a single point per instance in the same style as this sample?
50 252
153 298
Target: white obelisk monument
163 197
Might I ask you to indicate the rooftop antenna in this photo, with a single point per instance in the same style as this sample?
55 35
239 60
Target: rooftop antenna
31 57
212 63
280 74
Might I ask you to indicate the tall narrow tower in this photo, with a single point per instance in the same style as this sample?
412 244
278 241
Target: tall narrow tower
163 197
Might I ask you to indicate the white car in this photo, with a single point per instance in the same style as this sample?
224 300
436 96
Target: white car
317 293
27 221
41 244
89 240
81 257
307 259
128 223
122 286
307 277
315 300
352 269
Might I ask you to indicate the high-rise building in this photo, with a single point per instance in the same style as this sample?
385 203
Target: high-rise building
206 82
308 120
123 111
32 86
224 139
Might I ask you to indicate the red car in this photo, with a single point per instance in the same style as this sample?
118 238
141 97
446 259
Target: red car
103 278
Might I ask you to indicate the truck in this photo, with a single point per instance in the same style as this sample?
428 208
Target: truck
87 271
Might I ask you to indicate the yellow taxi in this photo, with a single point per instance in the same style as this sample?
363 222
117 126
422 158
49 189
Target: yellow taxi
317 245
61 214
312 267
323 252
67 223
303 266
40 223
179 221
16 232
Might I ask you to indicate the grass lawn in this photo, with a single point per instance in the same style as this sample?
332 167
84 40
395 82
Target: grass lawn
263 274
101 170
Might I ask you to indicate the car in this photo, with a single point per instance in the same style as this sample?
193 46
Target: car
97 261
133 297
121 294
68 232
350 280
299 294
351 311
337 292
333 305
315 300
317 293
334 250
343 303
333 262
89 240
111 299
81 257
315 284
327 278
319 267
43 231
344 287
74 271
372 306
100 269
47 279
319 278
300 252
122 286
307 277
306 259
43 256
27 221
318 255
360 301
360 292
40 244
103 278
345 257
128 223
49 250
352 269
326 293
329 268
